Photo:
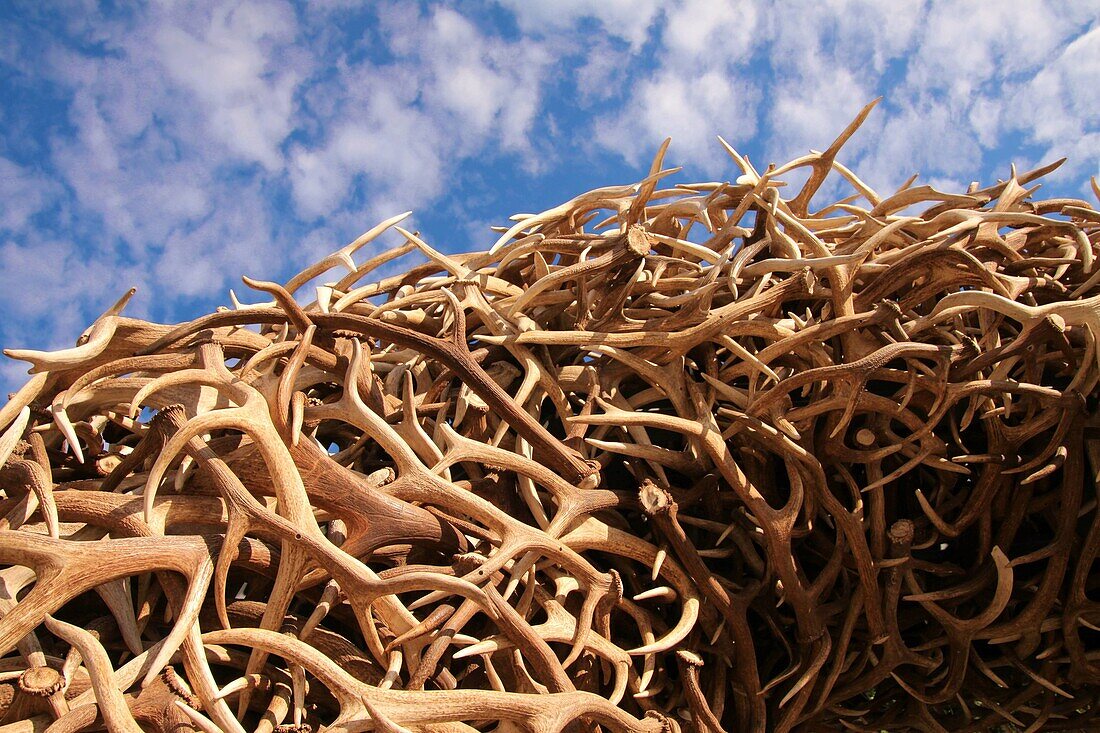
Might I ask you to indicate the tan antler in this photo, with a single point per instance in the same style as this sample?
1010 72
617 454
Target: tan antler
708 453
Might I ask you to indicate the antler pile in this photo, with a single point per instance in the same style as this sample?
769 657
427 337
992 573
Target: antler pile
685 456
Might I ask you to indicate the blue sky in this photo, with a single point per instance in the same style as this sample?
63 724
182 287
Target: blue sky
177 146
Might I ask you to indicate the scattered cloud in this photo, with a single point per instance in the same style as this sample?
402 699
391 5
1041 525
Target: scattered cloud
601 75
177 146
931 140
629 20
41 281
24 192
224 59
1056 107
806 116
965 45
402 125
707 35
691 111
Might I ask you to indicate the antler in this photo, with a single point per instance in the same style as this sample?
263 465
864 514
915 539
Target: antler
699 453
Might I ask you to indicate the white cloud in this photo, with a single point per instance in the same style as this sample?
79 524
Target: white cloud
137 183
197 262
859 36
956 77
930 140
182 96
393 146
806 116
23 193
966 44
43 286
13 375
690 110
699 89
603 73
403 126
227 62
981 71
481 81
1057 107
165 110
709 35
202 140
50 291
985 116
629 20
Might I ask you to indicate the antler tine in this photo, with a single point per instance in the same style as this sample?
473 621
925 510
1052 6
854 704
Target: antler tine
759 467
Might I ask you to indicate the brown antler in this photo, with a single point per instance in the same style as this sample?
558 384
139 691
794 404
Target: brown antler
702 453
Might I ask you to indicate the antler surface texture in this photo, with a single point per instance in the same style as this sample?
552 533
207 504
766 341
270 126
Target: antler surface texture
706 456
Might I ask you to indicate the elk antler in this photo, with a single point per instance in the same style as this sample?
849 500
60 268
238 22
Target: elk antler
699 453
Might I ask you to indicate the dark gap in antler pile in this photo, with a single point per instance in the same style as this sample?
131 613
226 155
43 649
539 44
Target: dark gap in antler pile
824 469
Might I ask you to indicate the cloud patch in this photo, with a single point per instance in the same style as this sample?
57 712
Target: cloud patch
176 146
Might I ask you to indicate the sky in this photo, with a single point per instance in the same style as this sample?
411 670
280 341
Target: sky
175 146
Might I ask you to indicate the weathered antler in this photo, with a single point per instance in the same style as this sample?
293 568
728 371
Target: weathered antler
701 453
